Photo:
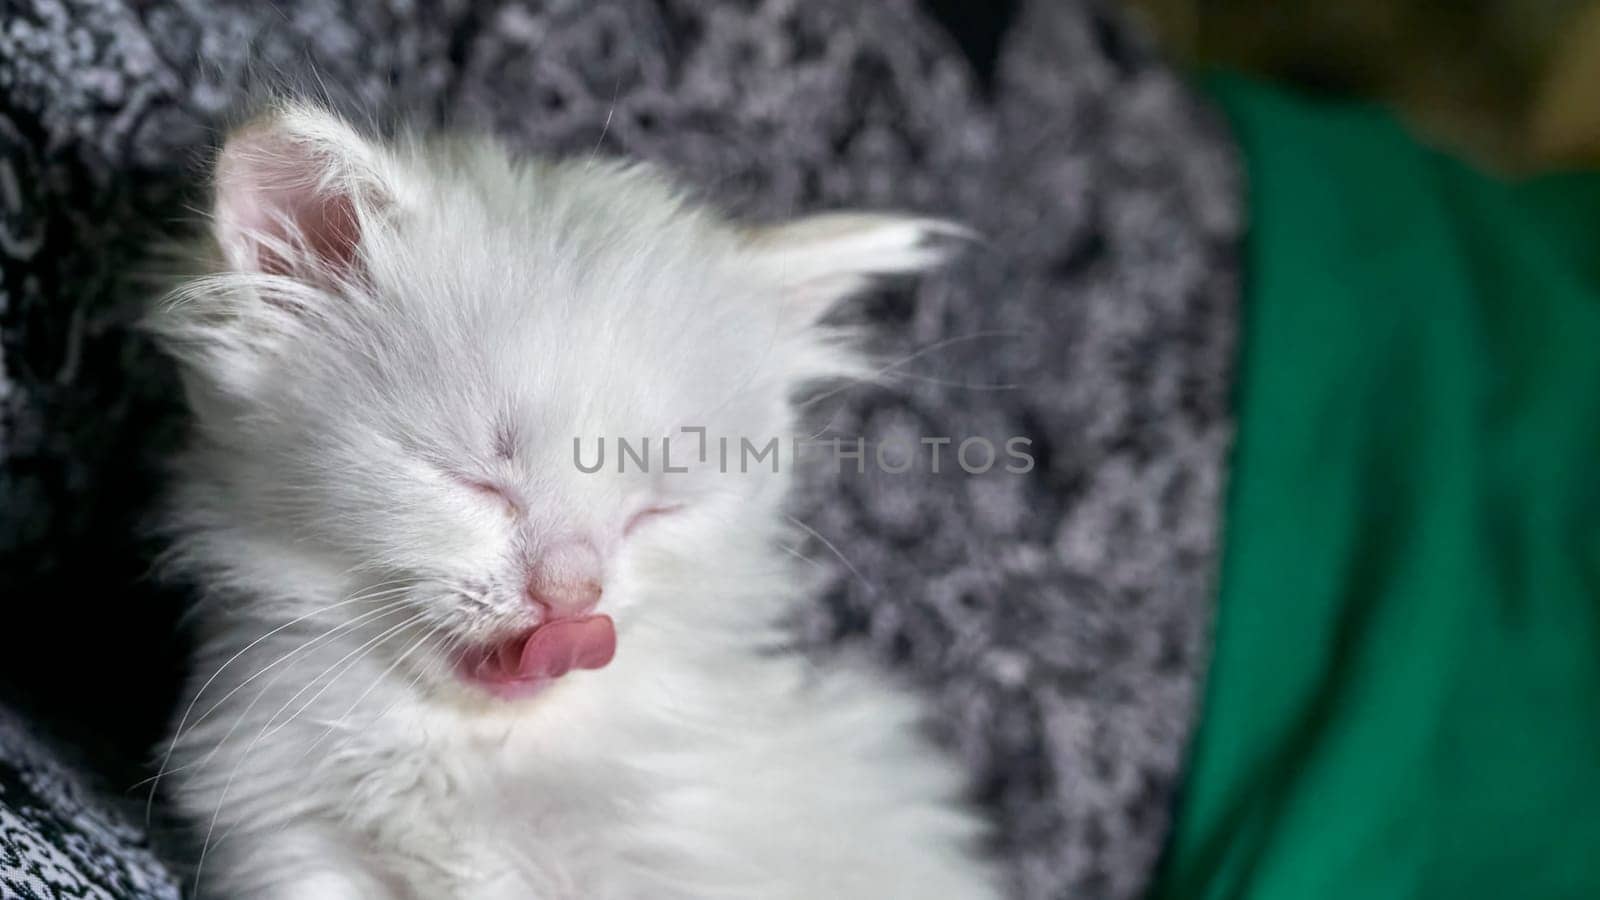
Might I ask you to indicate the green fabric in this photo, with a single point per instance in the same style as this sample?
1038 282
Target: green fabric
1405 696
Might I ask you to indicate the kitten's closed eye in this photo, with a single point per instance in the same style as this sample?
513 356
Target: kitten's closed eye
491 491
648 514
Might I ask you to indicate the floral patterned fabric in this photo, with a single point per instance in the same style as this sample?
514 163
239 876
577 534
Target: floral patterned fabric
59 838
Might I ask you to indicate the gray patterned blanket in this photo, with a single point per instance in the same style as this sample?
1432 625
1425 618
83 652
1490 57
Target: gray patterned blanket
1057 619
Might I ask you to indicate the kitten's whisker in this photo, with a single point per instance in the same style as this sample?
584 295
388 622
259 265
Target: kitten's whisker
245 756
382 610
260 693
798 555
871 589
349 661
918 354
183 720
945 382
825 425
451 647
616 91
372 687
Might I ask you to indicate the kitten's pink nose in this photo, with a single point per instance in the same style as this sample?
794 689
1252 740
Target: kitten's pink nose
565 581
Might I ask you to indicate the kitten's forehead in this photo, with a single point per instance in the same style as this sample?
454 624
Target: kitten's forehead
537 379
588 291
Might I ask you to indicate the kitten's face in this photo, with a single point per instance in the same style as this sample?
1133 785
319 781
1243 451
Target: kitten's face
411 358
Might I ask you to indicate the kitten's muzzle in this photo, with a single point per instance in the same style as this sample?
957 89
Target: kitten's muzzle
564 584
565 580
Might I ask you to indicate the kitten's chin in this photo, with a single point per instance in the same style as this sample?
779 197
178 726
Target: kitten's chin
523 664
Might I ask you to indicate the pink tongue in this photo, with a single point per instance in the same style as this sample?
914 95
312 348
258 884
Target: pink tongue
556 648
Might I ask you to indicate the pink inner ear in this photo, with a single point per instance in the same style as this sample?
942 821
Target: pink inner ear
276 212
328 229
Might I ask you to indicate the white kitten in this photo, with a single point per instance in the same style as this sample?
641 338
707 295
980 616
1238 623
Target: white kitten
440 660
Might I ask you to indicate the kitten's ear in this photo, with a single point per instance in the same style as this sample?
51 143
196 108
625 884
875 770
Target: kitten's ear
819 260
294 189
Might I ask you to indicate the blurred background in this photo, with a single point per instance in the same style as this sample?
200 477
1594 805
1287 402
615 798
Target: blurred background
1513 83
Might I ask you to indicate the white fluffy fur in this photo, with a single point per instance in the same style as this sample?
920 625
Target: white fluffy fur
493 311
